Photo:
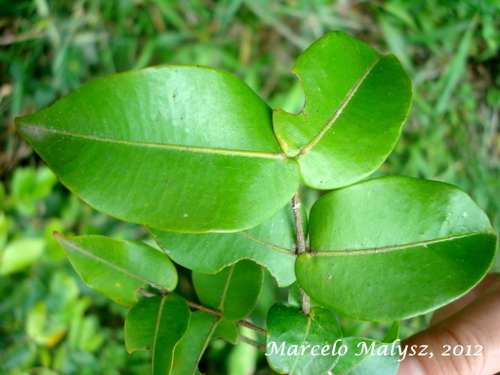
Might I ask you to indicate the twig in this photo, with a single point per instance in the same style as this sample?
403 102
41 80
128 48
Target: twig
254 343
244 323
301 246
299 226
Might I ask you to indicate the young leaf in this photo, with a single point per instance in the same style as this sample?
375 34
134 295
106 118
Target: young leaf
227 330
269 244
179 148
302 345
356 103
383 242
234 291
392 334
157 324
116 268
365 356
188 352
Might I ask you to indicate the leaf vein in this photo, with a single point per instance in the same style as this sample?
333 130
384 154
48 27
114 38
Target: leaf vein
108 263
155 336
266 244
306 333
226 287
195 149
389 248
336 114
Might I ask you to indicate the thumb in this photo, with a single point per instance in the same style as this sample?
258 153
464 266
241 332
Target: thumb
475 328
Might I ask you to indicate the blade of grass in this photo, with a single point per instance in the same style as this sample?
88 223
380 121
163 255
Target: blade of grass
456 69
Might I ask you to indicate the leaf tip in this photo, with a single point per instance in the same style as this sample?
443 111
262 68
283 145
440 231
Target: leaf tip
59 237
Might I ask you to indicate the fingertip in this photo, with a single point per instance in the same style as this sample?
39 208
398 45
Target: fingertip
411 366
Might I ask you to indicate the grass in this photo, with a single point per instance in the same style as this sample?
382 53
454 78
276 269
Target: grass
449 48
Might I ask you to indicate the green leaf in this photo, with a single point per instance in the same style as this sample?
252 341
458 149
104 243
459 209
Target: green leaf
269 244
157 324
188 352
234 291
20 254
29 185
302 345
227 330
393 333
356 103
383 242
365 356
116 268
47 328
179 148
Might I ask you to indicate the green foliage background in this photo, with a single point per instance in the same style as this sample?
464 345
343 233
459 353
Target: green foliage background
50 323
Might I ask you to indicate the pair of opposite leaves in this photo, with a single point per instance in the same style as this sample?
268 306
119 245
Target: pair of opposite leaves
191 149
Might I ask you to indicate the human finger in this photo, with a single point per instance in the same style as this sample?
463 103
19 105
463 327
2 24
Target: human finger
475 328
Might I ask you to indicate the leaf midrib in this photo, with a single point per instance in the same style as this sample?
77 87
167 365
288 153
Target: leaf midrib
306 334
266 244
194 149
155 335
226 287
386 249
108 263
357 364
338 111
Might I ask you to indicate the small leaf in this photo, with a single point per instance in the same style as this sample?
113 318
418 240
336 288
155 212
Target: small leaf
269 244
188 352
302 345
157 324
365 356
116 268
356 103
383 242
20 254
227 330
45 329
234 291
165 147
393 333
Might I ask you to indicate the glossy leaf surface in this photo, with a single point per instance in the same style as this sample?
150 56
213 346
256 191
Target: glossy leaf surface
234 291
365 356
190 349
383 242
269 244
165 147
295 341
157 324
116 268
356 101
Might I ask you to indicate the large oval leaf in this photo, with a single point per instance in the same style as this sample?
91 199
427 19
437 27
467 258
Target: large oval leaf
179 148
116 268
356 103
299 344
157 324
270 244
383 242
234 291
